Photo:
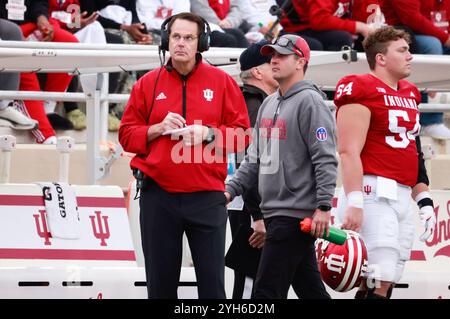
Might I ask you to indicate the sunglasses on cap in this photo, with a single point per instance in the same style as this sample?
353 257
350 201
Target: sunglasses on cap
285 42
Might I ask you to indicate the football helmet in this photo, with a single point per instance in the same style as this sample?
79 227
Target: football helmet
342 266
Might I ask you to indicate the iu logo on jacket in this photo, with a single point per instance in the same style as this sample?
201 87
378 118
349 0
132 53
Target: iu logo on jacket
208 95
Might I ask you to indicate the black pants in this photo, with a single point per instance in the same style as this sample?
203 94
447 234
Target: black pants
238 218
232 38
164 218
288 256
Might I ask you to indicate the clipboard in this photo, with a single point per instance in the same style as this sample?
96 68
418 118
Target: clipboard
176 131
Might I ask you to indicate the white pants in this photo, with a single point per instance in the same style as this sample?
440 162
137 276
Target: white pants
387 229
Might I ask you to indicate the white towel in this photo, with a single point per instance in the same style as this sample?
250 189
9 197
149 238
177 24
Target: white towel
117 14
62 210
92 33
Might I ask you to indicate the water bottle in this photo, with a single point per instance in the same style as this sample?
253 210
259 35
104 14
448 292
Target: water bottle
231 164
337 236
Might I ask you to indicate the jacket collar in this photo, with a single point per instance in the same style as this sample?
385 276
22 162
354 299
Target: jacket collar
198 62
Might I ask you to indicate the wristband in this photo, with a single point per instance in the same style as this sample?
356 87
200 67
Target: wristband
355 199
424 199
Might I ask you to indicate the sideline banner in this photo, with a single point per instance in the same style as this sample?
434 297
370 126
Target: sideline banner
24 232
437 247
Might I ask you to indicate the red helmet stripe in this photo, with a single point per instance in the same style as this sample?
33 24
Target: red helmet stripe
358 264
351 255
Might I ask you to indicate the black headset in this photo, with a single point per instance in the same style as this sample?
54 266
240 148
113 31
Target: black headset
203 39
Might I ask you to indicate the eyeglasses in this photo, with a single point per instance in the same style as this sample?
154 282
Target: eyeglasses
187 38
285 42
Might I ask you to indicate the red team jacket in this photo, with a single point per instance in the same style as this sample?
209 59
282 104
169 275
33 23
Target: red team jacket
418 15
390 149
321 15
211 96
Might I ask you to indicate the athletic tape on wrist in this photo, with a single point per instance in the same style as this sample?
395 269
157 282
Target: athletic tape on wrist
355 199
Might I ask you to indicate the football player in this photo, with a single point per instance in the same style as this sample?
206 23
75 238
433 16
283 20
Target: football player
377 123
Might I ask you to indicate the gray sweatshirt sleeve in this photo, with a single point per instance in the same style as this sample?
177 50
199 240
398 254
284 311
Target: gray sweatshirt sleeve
202 8
316 119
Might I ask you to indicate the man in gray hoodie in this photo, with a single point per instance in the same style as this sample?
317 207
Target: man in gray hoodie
293 154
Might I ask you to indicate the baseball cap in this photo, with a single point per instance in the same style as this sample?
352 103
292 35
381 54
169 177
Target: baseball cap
252 56
288 44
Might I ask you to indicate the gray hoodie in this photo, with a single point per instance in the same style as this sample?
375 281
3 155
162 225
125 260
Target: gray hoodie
297 165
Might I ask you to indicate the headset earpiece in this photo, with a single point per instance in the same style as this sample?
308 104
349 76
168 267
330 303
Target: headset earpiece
164 44
203 41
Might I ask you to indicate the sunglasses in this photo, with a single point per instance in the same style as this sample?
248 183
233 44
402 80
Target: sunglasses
285 42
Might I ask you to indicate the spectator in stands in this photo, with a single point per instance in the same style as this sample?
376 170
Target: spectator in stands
113 15
429 22
116 20
35 25
224 18
69 16
183 194
55 82
325 24
257 19
87 30
10 82
153 12
428 19
301 177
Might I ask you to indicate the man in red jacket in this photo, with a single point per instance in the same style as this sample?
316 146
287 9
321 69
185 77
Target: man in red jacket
184 180
429 22
424 17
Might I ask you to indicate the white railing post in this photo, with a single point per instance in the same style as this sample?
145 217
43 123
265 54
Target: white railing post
64 146
89 82
104 107
7 144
